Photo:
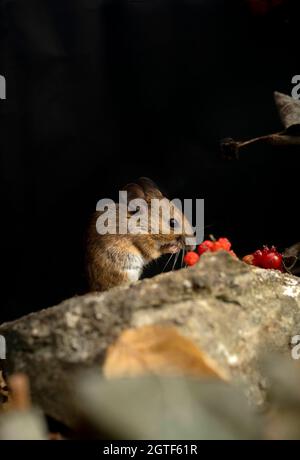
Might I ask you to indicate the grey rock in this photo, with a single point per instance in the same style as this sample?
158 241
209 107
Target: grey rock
235 313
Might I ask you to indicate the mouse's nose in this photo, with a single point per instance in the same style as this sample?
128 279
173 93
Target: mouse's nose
190 243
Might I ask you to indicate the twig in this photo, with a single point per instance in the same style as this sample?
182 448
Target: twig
231 148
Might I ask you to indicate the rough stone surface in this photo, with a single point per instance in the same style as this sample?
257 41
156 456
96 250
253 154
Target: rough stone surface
233 312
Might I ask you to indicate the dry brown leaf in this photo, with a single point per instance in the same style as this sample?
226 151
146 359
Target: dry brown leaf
158 350
20 392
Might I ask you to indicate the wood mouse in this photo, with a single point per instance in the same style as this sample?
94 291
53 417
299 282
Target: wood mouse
117 259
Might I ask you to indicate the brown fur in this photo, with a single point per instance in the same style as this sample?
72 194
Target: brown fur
109 257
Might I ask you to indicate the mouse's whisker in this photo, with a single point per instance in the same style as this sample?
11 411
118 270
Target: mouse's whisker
167 262
175 261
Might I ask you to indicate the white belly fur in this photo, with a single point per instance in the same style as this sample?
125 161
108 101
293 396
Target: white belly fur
134 267
133 275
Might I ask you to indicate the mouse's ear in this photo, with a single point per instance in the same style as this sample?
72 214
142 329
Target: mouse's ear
149 187
134 191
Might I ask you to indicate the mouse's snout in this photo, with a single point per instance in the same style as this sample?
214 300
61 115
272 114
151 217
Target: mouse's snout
190 247
189 243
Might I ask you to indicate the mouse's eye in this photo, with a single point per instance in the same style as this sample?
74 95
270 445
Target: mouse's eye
173 223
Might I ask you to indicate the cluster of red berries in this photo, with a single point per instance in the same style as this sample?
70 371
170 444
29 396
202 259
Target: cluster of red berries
222 244
265 258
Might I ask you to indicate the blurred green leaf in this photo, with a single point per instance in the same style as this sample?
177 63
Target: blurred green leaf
165 408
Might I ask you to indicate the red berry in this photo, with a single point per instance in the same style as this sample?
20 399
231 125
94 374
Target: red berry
205 246
191 258
248 259
217 247
268 258
222 244
257 258
225 243
272 260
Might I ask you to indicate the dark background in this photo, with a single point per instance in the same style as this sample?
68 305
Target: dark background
102 92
